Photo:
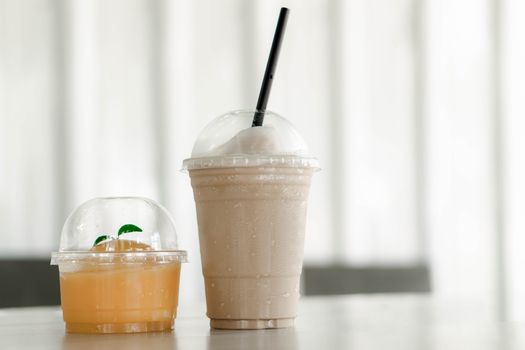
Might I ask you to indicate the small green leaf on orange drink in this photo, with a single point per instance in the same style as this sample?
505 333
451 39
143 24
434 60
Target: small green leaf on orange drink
101 239
128 228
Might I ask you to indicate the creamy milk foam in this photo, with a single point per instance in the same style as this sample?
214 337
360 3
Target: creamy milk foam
251 230
260 140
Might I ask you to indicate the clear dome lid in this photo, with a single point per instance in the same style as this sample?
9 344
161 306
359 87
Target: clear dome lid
122 229
231 141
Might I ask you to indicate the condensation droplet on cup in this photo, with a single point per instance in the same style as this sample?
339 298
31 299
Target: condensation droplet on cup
221 304
258 276
229 269
213 285
286 295
228 316
273 242
270 324
253 236
268 301
214 242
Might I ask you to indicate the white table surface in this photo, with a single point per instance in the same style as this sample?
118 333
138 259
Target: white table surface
343 322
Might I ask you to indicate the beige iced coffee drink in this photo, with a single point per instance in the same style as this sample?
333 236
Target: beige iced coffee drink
251 191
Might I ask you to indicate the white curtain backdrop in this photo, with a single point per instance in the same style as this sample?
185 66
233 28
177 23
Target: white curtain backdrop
414 109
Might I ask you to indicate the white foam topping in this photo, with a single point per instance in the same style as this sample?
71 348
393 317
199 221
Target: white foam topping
258 140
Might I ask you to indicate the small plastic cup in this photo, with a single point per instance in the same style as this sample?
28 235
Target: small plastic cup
119 267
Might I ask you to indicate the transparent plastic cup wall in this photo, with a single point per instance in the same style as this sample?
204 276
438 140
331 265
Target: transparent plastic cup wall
251 211
119 267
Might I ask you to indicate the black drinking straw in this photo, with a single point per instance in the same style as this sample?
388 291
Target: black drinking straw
266 86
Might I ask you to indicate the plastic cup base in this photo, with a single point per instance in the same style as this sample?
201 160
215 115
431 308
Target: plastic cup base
108 328
252 324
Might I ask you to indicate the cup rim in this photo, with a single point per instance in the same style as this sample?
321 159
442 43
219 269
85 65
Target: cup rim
158 256
251 161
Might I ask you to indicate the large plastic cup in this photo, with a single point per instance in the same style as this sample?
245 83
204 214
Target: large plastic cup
251 197
119 267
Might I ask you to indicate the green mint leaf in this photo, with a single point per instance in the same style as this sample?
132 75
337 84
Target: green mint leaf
128 228
101 239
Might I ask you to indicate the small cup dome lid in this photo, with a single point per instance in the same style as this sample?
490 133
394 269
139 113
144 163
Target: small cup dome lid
129 226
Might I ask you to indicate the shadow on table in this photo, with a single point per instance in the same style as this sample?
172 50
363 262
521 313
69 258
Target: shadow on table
138 341
285 338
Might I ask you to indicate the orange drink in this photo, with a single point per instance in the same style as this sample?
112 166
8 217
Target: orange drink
120 297
119 285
